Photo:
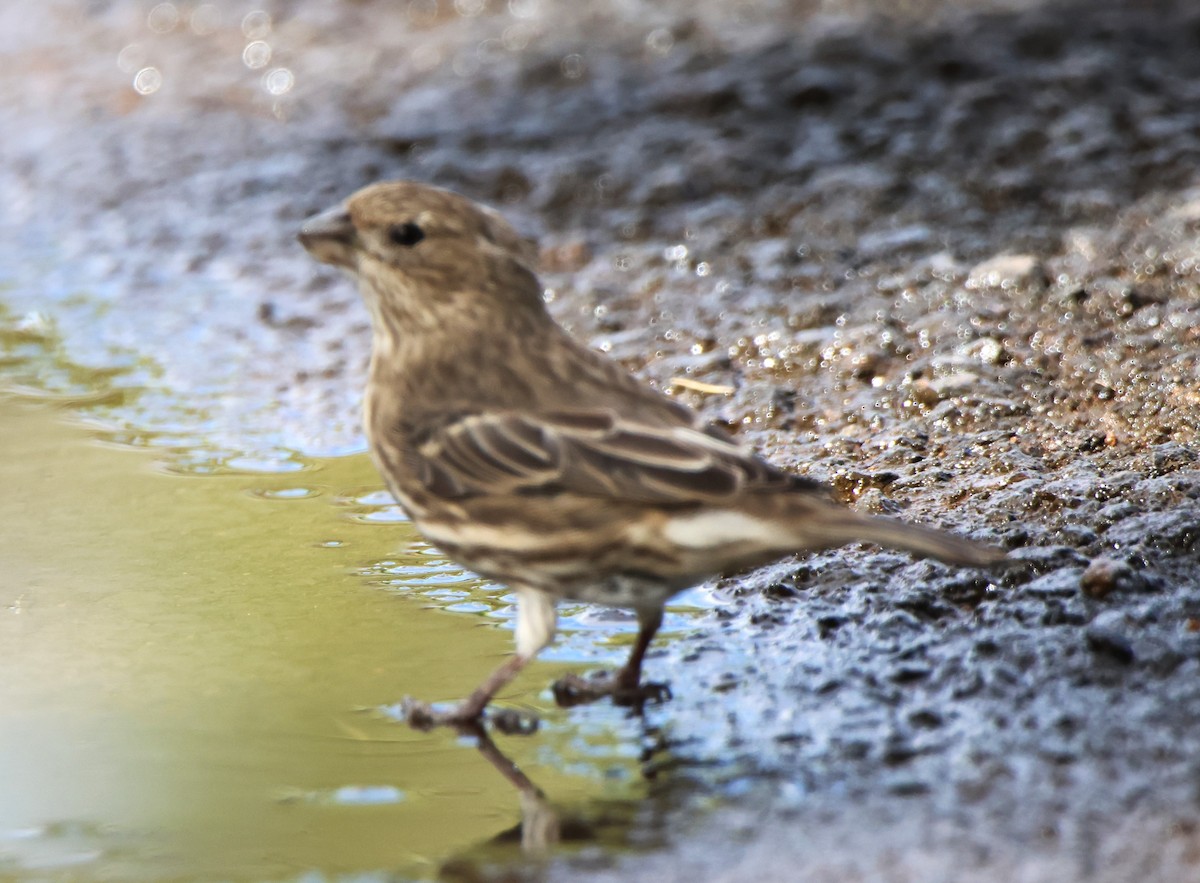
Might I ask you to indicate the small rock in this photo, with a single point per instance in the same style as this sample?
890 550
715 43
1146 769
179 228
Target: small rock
1108 634
1059 583
1075 534
924 394
1170 456
943 265
1104 576
957 384
988 350
1007 271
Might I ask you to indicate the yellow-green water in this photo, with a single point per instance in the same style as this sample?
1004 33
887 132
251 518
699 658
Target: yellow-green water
196 673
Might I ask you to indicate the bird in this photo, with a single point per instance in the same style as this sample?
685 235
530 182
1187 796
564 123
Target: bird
536 461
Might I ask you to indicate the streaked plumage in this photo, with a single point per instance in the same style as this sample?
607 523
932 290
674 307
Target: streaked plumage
539 463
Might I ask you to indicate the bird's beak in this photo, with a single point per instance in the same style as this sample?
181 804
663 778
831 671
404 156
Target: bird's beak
330 237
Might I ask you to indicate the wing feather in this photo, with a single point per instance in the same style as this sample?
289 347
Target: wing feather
587 453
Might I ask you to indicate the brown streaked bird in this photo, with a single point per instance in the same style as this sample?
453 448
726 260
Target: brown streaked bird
537 462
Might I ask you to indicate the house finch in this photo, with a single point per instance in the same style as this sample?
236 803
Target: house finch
536 462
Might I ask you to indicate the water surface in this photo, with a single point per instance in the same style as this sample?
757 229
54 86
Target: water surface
200 674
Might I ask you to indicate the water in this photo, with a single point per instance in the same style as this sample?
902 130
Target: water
200 675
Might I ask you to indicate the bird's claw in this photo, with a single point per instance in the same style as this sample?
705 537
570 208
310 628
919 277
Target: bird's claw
423 716
652 691
572 690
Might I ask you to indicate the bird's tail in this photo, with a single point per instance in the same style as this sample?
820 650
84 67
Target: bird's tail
837 527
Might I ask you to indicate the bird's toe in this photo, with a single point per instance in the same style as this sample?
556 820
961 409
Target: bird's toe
573 690
423 716
654 693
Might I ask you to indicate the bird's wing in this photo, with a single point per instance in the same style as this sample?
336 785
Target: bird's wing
586 453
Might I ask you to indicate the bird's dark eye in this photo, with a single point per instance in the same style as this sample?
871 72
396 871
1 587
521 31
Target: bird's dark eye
407 234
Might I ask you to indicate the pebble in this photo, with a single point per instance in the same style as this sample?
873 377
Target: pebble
1108 635
1104 576
1007 271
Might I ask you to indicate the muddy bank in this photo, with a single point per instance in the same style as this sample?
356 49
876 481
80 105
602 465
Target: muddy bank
945 260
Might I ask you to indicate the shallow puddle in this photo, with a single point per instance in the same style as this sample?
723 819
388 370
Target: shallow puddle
201 675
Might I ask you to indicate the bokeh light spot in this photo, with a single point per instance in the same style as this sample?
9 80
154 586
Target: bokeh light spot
256 25
279 81
256 54
572 66
163 18
660 41
147 81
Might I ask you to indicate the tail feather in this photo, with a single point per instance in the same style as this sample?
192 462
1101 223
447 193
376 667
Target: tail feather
841 526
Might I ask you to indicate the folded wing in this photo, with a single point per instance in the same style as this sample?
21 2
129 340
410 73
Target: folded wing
589 453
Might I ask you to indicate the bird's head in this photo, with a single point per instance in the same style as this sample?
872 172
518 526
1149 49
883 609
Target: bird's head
415 249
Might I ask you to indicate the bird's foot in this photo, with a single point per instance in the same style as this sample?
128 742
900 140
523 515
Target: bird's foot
468 717
573 690
423 716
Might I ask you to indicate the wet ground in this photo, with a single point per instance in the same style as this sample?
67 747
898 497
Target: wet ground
946 258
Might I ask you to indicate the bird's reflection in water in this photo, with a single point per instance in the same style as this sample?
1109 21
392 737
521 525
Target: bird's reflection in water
543 826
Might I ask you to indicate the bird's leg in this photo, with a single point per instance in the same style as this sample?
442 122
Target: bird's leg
536 621
625 685
540 825
629 677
